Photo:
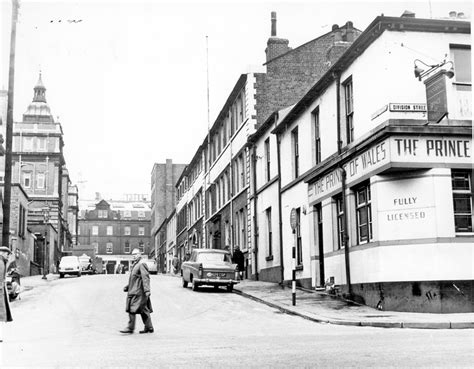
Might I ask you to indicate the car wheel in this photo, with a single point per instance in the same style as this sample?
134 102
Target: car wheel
195 286
185 284
230 287
61 275
216 287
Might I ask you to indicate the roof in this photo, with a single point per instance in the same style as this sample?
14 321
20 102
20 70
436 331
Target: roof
373 31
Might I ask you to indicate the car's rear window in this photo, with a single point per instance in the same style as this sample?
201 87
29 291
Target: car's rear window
211 256
69 259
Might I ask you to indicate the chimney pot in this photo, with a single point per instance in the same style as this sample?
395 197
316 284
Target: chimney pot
274 24
334 27
452 14
349 24
460 15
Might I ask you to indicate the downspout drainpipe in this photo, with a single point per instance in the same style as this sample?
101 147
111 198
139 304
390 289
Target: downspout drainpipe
280 223
343 182
255 223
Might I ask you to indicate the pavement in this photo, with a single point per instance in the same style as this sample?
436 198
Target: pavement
324 308
320 307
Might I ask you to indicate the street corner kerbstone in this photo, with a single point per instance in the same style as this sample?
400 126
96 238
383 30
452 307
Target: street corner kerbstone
427 325
462 325
381 324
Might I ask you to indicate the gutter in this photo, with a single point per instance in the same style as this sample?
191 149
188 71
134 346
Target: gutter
255 223
280 224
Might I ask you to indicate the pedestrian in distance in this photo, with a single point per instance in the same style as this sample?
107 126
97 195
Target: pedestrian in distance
138 295
238 258
175 264
5 312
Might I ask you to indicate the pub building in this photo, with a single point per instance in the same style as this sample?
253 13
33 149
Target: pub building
389 211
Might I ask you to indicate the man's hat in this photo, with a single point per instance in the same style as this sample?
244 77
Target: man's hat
5 249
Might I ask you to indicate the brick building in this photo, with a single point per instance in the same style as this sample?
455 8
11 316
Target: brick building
114 229
163 196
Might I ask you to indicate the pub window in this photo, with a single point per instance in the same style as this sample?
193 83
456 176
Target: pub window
461 56
268 214
349 104
462 200
317 136
340 221
267 159
364 214
296 155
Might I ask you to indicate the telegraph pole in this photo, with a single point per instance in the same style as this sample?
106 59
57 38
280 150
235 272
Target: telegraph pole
9 131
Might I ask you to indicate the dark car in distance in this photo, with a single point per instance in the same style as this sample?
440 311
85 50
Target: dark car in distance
209 267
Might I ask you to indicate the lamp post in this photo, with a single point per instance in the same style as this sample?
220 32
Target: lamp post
45 246
9 131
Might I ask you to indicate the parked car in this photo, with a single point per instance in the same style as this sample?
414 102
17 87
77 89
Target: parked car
86 264
209 267
70 265
152 267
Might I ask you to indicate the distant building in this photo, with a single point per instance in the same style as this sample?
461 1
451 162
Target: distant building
163 195
114 229
38 164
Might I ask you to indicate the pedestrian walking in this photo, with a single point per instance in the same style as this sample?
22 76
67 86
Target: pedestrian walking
5 312
138 295
238 258
175 264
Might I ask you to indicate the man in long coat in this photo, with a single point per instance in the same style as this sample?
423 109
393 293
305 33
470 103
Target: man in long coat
138 295
5 312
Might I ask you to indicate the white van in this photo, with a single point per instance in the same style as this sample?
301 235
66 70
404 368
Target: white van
69 265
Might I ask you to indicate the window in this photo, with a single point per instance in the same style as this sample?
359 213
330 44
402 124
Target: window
242 170
243 239
340 221
126 231
95 230
268 214
461 56
102 214
141 231
110 230
296 155
21 221
40 180
27 179
299 245
42 144
28 144
462 200
141 214
141 246
267 158
349 100
127 247
127 214
364 214
96 247
317 136
109 247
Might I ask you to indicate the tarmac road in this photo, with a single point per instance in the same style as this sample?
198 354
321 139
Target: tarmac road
75 322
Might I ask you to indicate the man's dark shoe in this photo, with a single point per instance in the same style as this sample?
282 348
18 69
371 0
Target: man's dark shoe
150 330
126 330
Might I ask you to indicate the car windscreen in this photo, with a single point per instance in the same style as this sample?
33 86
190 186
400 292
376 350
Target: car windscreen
213 256
69 260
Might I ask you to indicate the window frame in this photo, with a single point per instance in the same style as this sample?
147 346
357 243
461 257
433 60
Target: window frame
295 152
95 230
109 250
360 207
110 230
317 135
299 241
267 159
349 109
463 193
268 215
339 208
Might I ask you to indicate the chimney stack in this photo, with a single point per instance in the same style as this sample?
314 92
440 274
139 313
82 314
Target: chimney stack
275 46
274 24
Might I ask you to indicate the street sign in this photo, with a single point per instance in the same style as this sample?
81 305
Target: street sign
293 219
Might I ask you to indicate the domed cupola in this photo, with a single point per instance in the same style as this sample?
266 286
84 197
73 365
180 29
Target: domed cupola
38 110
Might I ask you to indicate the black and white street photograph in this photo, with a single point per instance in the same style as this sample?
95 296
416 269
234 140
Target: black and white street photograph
236 184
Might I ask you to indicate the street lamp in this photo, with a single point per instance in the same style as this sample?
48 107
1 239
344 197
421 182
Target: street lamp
421 73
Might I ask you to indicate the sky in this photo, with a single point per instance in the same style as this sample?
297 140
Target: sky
127 80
